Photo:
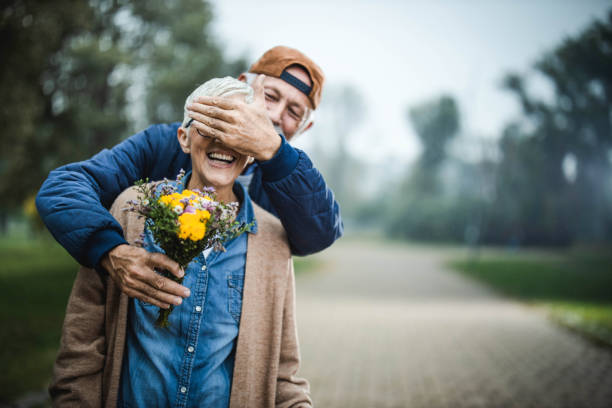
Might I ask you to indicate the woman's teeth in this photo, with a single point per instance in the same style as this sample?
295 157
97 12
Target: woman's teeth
222 157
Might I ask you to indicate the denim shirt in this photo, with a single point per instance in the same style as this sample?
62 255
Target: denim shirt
191 363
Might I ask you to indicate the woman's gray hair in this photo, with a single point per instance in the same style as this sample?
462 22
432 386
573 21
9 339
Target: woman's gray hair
218 87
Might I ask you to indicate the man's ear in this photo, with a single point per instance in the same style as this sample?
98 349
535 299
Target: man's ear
308 127
183 139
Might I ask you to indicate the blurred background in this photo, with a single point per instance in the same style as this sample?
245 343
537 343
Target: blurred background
470 141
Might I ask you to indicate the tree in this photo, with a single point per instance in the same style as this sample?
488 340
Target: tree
33 35
175 43
70 66
551 206
420 208
435 122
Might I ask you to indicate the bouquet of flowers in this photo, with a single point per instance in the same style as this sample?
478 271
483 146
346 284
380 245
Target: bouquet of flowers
184 224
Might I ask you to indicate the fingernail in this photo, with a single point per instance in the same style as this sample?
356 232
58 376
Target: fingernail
178 301
187 292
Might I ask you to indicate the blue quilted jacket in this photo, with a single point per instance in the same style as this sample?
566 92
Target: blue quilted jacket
74 199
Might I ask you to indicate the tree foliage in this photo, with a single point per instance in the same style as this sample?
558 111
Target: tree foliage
554 177
34 34
552 183
175 42
419 208
73 71
435 122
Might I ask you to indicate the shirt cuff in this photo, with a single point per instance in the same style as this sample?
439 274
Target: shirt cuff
99 245
282 164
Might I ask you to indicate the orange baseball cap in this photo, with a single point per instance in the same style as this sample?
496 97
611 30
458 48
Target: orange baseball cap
276 60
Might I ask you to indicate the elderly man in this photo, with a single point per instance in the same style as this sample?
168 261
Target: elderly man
73 201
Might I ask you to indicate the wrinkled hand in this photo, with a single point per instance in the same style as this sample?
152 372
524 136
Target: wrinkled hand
241 126
132 269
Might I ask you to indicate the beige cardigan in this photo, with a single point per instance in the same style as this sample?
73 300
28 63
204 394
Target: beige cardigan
88 365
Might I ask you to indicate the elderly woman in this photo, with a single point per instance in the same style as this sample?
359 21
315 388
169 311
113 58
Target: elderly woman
233 342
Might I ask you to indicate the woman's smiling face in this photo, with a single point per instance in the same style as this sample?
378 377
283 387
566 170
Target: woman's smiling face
213 164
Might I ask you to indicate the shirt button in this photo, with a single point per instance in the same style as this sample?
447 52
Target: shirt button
198 308
203 267
190 349
183 389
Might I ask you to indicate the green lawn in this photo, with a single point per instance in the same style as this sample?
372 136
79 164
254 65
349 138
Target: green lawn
305 264
574 287
35 280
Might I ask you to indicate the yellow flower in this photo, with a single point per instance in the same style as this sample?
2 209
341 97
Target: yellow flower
193 226
172 200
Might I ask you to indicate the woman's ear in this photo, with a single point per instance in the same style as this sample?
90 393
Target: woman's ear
184 140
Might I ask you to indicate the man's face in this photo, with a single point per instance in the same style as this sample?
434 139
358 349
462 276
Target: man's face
285 104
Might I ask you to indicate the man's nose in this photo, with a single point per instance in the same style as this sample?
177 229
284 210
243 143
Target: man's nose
275 111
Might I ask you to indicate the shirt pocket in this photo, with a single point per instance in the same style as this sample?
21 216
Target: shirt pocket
235 285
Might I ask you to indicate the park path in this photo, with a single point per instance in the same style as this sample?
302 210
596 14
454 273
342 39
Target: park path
392 327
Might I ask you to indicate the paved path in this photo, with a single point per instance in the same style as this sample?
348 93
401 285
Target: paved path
391 327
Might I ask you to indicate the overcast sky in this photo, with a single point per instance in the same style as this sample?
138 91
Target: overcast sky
399 53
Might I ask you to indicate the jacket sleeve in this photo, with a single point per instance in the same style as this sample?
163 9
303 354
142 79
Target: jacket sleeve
77 373
73 200
291 390
302 200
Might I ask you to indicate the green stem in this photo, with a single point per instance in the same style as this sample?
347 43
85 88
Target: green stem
162 317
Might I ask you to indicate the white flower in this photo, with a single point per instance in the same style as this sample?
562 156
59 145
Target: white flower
203 201
197 203
178 209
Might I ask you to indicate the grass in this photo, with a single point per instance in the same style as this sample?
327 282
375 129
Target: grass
305 264
574 288
35 280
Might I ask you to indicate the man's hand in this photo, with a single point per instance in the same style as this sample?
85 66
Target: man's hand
242 127
132 269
